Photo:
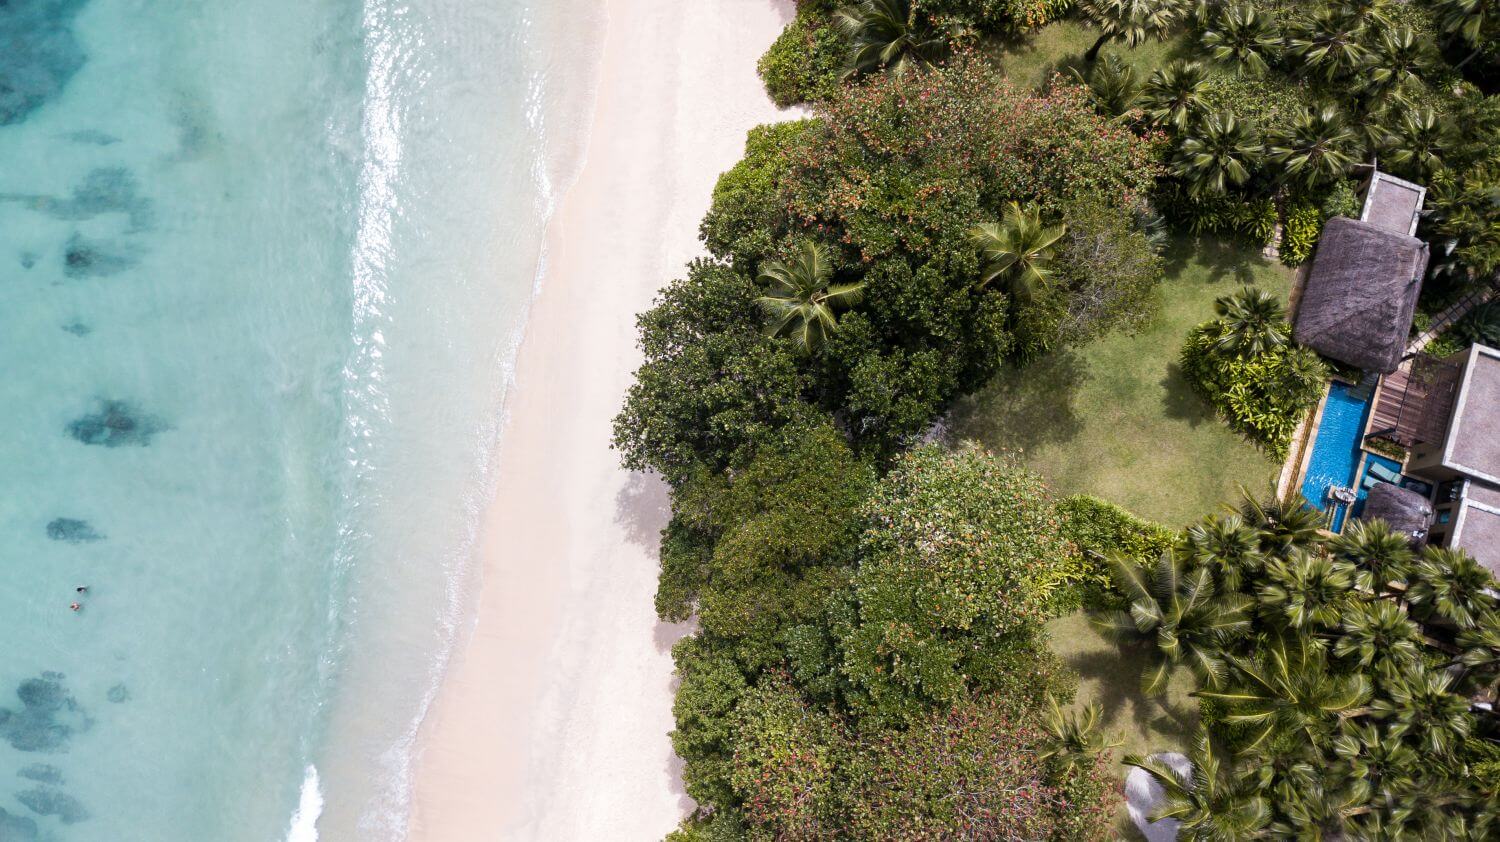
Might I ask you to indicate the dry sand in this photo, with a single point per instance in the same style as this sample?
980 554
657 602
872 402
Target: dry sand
552 721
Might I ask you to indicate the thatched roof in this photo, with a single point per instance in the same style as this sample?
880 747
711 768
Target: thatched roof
1360 294
1405 510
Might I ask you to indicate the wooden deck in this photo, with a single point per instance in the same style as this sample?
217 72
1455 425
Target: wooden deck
1415 401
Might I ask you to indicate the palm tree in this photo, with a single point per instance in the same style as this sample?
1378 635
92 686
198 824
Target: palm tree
1282 525
1018 248
801 300
1112 83
888 35
1227 546
1329 42
1420 706
1417 143
1321 810
1369 756
1379 556
1074 738
1377 629
1468 21
1398 56
1242 37
1130 21
1174 94
1214 800
1450 584
1317 148
1251 322
1481 650
1306 590
1289 691
1218 152
1179 614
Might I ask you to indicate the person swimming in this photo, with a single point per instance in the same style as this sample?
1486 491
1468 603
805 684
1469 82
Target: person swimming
75 606
81 589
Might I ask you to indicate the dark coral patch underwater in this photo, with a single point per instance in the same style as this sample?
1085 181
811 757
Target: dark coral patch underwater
84 258
115 424
103 190
51 801
40 56
49 716
42 773
72 531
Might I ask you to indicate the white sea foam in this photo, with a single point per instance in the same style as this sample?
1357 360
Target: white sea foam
304 826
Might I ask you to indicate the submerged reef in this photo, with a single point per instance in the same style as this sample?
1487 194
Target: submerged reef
40 56
118 693
44 773
77 328
51 801
16 828
103 190
83 258
93 137
115 424
72 531
47 719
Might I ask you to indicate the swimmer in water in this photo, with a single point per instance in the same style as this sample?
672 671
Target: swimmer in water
75 606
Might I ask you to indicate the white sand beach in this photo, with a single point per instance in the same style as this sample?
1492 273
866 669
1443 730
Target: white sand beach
552 720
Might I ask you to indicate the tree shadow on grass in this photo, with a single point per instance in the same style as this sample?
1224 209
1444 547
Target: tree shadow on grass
1024 408
1221 259
1181 402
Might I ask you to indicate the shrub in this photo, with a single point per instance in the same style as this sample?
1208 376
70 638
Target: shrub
1251 220
805 64
1480 325
1304 224
1097 527
1264 397
997 16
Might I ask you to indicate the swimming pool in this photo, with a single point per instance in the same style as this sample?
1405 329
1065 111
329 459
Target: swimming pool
1336 453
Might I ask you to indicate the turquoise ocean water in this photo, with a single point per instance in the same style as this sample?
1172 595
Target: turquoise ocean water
263 266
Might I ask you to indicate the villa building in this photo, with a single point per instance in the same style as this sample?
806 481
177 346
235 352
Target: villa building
1416 442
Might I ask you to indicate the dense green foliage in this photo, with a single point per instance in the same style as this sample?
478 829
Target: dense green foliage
1246 367
1333 703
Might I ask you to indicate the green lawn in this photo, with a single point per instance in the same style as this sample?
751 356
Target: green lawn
1114 418
1111 678
1061 45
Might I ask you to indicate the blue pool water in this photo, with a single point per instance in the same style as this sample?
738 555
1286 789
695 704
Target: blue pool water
1336 452
263 267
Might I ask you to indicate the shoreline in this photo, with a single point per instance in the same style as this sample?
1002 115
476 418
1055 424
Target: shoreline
552 719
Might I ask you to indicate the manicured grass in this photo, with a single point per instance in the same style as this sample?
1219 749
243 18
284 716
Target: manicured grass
1061 45
1110 677
1115 418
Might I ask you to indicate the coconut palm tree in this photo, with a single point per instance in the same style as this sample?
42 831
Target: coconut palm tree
1213 800
1418 704
1241 37
1251 322
888 35
1368 755
1417 143
1074 739
1399 55
1319 147
1129 21
1306 591
1379 555
1329 43
801 301
1018 249
1471 22
1450 584
1321 810
1215 153
1282 524
1179 614
1226 545
1377 629
1112 83
1173 96
1289 690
